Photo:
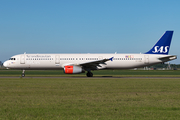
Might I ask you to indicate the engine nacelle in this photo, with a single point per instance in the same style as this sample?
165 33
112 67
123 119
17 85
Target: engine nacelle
73 69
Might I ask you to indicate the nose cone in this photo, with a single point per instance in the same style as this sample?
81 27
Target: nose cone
5 64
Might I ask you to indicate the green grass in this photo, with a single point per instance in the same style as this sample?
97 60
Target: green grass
89 99
115 73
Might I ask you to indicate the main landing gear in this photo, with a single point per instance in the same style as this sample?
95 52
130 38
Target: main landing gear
89 74
23 73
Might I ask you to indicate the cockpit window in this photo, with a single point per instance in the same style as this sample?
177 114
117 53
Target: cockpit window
12 59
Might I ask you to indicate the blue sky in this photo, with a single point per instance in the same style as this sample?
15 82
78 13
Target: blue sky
86 26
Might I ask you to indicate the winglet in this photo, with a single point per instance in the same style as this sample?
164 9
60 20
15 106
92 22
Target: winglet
111 58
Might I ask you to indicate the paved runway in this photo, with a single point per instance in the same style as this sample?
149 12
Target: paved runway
100 77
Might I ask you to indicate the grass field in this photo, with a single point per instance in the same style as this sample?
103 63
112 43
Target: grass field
104 98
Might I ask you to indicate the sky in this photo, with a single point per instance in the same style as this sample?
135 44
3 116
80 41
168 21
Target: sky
86 26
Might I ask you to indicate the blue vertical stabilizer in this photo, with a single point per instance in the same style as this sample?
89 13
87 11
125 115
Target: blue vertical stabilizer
163 45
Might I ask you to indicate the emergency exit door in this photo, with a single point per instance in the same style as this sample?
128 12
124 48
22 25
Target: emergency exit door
146 59
57 59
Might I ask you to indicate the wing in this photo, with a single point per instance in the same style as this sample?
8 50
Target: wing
93 65
168 58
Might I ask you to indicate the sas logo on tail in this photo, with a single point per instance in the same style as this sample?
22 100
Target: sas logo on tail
161 49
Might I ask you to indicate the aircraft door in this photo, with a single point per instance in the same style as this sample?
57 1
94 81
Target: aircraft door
22 59
146 59
57 59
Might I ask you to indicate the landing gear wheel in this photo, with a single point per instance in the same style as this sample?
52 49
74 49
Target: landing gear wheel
23 75
89 74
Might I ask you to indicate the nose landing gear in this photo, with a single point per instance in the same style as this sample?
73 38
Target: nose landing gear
23 73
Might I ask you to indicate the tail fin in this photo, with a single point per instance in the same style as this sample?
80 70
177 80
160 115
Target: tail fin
163 44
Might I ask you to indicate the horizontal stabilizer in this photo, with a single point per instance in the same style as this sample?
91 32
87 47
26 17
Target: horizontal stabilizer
168 58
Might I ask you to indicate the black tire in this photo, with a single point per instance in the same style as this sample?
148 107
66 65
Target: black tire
89 74
23 75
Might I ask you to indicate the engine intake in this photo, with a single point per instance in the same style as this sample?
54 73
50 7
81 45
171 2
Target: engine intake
73 69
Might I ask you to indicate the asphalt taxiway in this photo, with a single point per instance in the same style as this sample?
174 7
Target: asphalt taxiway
99 77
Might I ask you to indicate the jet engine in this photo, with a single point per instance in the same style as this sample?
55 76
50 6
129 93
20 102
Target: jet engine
74 69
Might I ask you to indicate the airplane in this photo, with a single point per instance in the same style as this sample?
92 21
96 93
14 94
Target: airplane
81 63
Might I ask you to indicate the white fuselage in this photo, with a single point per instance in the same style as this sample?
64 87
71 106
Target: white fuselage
58 61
